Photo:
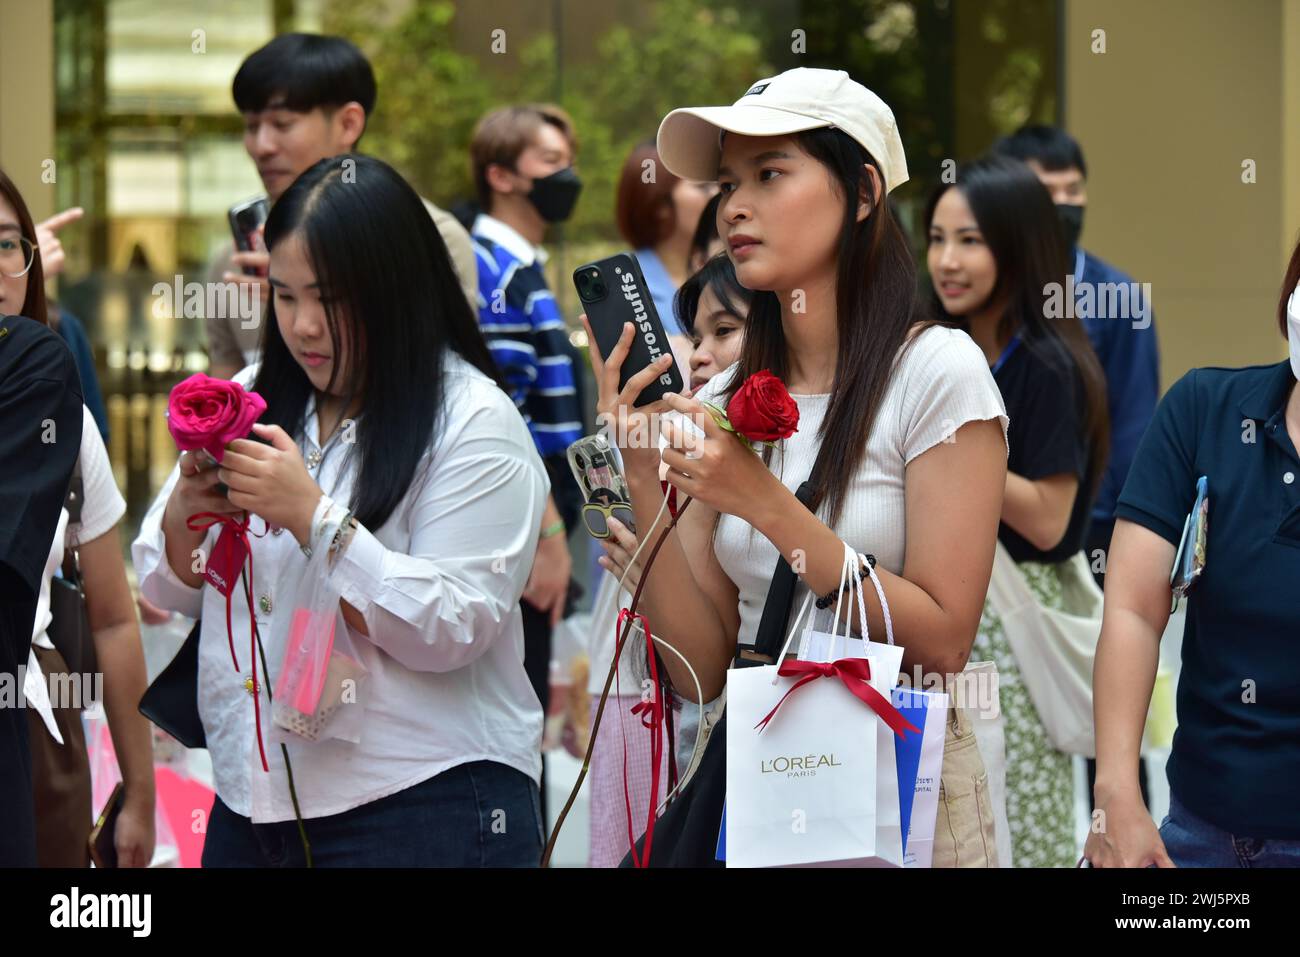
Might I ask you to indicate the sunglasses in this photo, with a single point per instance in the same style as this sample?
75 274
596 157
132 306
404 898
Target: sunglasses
596 517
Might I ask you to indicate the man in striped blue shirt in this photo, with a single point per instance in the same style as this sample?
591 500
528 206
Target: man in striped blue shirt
527 335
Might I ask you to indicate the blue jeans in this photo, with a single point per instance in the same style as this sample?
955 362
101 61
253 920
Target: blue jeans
481 814
1194 842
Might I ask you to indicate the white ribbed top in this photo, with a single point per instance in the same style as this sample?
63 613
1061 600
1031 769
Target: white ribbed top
940 384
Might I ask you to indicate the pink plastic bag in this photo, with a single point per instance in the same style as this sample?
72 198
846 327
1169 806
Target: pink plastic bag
317 692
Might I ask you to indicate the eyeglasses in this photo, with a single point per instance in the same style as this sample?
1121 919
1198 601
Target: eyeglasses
596 518
16 256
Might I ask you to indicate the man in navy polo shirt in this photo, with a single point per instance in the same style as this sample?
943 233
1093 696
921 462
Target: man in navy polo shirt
1234 774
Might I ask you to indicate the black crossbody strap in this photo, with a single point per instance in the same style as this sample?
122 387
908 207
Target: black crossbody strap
776 609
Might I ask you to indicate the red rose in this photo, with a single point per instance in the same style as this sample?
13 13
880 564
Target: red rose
205 413
762 410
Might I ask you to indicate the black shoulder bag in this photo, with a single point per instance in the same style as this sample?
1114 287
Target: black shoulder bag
69 628
172 700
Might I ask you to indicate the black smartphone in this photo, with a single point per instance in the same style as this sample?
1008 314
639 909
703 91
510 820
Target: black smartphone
613 291
246 221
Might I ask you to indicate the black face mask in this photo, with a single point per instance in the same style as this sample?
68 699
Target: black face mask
554 196
1071 218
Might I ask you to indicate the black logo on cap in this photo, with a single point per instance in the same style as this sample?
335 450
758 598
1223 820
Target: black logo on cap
756 89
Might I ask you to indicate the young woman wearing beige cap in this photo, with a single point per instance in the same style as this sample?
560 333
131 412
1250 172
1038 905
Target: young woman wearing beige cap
901 426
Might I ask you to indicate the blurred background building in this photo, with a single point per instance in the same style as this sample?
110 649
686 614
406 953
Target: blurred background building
130 99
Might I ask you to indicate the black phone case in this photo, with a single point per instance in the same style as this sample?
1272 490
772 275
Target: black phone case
244 219
627 299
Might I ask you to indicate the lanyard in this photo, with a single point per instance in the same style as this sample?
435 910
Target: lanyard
1006 353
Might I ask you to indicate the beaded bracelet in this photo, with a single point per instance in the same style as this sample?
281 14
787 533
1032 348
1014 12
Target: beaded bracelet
830 596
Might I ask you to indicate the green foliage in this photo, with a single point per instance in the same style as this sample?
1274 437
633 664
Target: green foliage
617 88
430 95
955 78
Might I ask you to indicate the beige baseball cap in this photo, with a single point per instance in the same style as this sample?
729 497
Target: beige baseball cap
796 100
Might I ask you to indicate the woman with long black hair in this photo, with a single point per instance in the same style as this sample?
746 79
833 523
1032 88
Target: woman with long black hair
384 420
891 409
995 255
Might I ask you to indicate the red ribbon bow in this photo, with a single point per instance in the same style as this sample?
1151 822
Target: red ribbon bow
239 528
856 675
651 716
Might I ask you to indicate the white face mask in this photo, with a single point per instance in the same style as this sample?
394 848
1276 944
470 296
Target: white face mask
1293 329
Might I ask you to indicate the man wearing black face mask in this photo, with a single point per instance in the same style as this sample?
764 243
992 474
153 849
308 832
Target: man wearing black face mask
522 158
1125 343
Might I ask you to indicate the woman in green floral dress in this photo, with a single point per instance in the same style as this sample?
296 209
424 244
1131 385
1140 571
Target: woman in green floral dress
995 255
1040 779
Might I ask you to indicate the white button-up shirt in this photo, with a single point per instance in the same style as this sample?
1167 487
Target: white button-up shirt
439 587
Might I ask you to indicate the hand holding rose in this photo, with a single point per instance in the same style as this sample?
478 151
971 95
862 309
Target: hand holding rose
721 469
718 469
271 481
196 491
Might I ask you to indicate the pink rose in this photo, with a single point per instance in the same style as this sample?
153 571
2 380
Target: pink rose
206 413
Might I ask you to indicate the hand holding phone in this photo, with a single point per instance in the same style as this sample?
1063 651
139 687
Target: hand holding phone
634 429
614 293
247 220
